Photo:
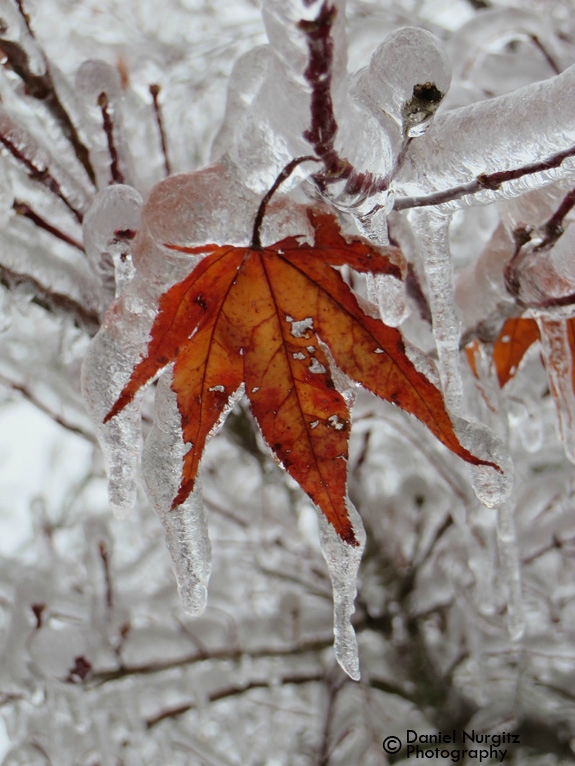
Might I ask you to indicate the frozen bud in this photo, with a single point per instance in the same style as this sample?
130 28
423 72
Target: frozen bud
408 76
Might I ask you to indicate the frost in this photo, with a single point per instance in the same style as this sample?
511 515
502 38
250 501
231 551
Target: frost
343 563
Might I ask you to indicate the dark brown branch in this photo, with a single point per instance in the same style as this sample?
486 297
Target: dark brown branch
42 175
233 691
485 181
105 559
546 55
154 92
233 653
54 302
23 209
323 130
553 228
115 172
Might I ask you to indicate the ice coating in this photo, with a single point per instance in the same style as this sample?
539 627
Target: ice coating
109 227
100 94
185 526
343 562
452 151
245 80
498 25
37 160
509 566
556 348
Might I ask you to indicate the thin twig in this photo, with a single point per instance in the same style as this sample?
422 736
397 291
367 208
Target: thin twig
233 691
115 172
154 92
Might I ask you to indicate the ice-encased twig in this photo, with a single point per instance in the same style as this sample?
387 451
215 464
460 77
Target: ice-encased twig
556 348
343 562
493 136
185 526
100 94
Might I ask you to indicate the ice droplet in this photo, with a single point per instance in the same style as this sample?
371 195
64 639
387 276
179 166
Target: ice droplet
343 562
556 350
185 526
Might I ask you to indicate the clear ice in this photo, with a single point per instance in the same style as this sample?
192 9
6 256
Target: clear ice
343 562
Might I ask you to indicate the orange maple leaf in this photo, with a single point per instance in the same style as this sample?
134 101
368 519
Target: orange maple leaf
259 315
516 337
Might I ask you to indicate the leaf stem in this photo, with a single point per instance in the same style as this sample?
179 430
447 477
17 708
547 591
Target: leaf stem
283 176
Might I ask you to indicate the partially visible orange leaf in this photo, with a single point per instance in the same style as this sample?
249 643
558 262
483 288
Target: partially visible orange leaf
259 316
516 337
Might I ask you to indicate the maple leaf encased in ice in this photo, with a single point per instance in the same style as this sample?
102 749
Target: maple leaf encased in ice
259 316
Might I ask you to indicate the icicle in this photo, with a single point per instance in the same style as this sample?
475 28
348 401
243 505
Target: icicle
385 291
185 527
510 568
492 487
432 231
120 438
343 562
556 347
99 90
